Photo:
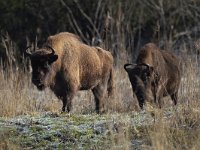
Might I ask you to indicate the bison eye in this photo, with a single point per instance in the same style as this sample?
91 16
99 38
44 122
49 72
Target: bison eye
145 78
46 65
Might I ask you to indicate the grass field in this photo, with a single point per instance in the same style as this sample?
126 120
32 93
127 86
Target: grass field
31 119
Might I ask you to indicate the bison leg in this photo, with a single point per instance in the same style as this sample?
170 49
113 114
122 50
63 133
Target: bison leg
67 99
174 97
99 93
64 104
158 95
160 102
141 104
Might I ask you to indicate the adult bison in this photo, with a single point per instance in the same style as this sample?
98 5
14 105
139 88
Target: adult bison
156 74
66 65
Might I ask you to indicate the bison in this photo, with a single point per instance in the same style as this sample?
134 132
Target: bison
157 73
67 65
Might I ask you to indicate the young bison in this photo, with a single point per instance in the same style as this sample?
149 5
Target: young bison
156 74
66 65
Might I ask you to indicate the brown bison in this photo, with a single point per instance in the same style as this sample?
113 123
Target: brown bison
66 65
156 74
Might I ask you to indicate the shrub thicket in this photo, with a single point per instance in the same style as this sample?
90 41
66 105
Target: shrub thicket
133 23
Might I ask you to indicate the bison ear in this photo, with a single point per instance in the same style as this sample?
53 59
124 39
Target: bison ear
129 67
52 58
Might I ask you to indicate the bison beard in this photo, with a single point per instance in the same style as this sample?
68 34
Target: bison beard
67 65
156 74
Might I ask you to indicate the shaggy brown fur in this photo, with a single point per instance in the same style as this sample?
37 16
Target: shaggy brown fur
156 74
74 66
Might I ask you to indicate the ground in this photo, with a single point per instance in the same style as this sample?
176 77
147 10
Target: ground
76 131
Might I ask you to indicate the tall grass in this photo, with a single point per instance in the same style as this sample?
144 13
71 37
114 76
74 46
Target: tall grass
18 96
181 131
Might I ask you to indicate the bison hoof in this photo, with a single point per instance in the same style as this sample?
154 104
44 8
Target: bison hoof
100 111
68 114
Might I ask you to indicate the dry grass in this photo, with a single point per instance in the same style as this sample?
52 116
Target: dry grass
173 127
179 131
19 96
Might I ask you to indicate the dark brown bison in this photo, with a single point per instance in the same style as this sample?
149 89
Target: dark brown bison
156 74
67 65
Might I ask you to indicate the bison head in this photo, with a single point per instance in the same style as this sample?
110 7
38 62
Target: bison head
41 62
141 77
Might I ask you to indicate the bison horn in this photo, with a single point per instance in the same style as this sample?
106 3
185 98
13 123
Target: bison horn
52 50
28 53
144 64
126 66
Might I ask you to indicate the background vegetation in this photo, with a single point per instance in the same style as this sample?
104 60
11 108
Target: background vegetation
31 119
166 22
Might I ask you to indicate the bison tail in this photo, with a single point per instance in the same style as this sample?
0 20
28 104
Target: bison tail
111 83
